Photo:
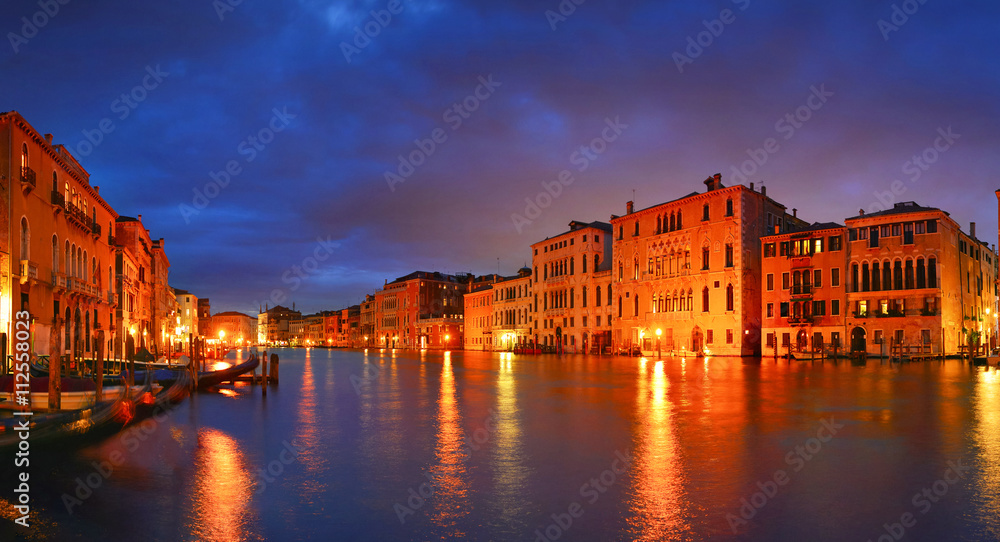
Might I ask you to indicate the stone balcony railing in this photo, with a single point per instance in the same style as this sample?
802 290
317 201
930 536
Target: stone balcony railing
29 270
28 181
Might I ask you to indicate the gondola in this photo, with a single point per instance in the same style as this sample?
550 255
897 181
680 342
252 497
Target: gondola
208 379
74 427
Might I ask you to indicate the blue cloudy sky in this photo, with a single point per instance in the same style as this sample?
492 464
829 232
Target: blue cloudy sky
312 116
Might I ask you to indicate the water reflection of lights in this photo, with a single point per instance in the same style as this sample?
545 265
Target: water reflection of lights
451 497
223 489
987 439
510 475
307 436
656 496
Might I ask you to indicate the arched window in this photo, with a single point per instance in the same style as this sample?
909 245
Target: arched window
704 212
865 283
67 258
730 301
673 222
654 300
598 297
909 274
897 275
597 261
690 301
55 253
876 277
887 275
583 263
921 274
636 228
636 303
619 306
25 239
704 299
659 224
55 182
635 269
609 296
93 270
729 207
621 232
679 226
584 298
24 155
854 278
932 273
83 265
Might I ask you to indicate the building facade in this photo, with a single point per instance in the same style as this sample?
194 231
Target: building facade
478 307
238 328
56 246
186 321
687 273
570 273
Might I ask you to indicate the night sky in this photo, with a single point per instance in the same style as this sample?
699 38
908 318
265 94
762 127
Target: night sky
312 117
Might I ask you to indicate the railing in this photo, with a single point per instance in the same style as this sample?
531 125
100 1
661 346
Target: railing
111 239
28 177
802 290
800 320
95 229
29 270
58 280
58 200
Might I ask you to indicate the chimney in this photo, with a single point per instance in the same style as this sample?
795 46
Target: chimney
795 213
972 230
763 190
140 218
48 138
629 206
714 182
861 212
751 187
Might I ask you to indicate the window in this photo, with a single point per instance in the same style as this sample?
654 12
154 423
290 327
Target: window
729 207
784 309
770 310
873 240
583 297
704 299
730 299
877 337
25 237
835 243
932 226
819 308
704 258
572 265
729 255
770 282
710 336
932 273
783 248
636 234
572 296
679 226
925 336
609 295
784 281
621 232
704 212
729 336
817 278
597 298
635 269
635 308
769 250
895 230
835 307
619 306
919 227
908 233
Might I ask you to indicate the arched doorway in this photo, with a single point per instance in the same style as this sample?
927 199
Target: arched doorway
802 340
858 340
697 340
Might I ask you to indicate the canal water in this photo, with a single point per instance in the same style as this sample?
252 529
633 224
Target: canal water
383 445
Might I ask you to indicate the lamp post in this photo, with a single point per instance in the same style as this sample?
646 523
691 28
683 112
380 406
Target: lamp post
447 338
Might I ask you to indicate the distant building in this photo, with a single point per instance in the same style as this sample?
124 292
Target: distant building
186 321
369 313
275 326
205 318
421 310
570 289
478 307
687 273
513 311
238 328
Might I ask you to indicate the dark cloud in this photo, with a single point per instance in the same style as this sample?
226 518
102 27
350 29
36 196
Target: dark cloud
323 175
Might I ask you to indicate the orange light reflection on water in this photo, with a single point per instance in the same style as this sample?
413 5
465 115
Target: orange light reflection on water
223 489
451 493
657 494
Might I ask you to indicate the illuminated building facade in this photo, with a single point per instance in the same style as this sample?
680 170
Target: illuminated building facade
186 321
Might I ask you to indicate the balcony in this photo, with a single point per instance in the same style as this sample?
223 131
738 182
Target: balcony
112 298
801 291
800 320
58 201
799 262
58 281
111 239
95 230
29 270
28 182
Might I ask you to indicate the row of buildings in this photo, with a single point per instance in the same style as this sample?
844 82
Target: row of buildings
722 271
90 278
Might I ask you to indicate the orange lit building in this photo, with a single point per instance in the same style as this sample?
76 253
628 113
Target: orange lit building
56 255
236 326
132 235
691 269
571 277
421 310
916 279
804 291
186 321
513 311
478 306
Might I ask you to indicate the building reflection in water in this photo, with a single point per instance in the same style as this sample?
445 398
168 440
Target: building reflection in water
656 498
307 438
451 491
223 489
